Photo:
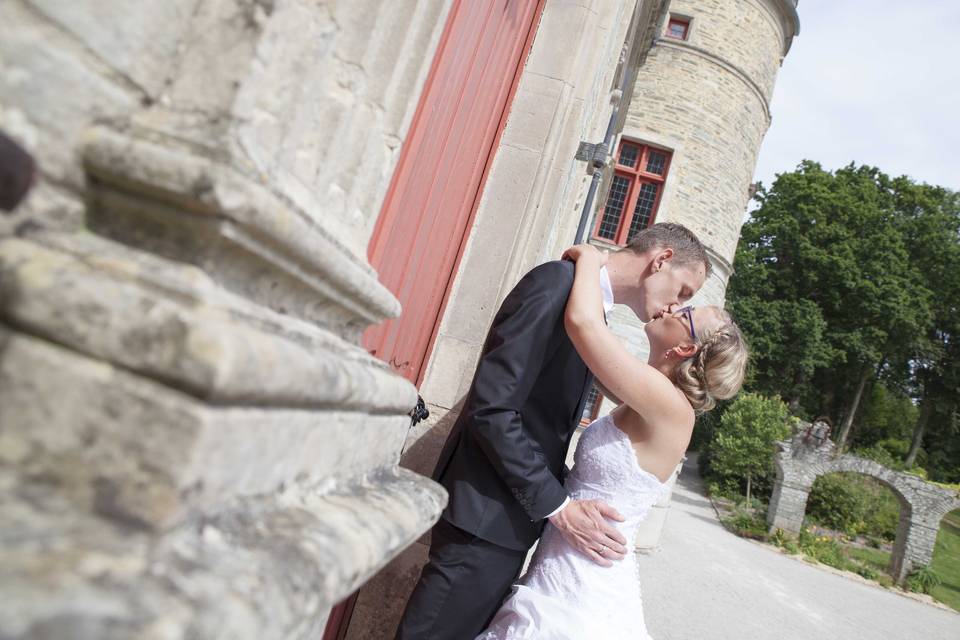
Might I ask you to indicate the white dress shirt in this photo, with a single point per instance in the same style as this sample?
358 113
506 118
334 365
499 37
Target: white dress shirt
606 290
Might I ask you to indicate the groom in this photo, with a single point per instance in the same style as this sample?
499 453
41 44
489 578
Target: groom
503 463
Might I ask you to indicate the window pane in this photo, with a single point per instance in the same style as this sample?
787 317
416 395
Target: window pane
628 155
655 162
678 29
613 210
644 209
593 399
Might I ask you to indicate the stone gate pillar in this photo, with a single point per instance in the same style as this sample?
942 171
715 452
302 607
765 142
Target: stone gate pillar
797 463
193 443
916 539
918 527
788 504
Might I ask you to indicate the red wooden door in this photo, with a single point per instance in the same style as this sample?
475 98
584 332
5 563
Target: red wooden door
423 225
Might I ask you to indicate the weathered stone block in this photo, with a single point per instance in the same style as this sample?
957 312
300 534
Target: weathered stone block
256 244
135 451
264 567
102 299
137 44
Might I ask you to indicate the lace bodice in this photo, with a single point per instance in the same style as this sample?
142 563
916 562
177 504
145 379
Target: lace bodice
606 468
566 595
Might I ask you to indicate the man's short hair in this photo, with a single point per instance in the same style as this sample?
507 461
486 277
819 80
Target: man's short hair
687 248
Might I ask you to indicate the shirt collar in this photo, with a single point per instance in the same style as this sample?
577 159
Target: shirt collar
606 289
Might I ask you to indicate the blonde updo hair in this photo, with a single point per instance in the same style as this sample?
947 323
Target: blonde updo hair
716 371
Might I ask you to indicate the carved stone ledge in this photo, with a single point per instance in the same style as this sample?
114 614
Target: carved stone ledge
269 566
173 201
143 454
167 321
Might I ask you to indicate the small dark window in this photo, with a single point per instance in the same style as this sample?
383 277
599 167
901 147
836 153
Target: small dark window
678 28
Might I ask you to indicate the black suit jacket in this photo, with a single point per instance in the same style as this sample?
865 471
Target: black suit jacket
503 463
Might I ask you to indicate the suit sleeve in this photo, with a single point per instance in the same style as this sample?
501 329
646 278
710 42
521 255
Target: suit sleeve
514 354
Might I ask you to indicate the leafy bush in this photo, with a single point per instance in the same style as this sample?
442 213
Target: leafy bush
747 524
744 442
868 573
881 455
896 447
832 553
784 541
888 417
835 502
855 505
923 580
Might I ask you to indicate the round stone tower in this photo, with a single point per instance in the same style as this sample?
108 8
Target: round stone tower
703 95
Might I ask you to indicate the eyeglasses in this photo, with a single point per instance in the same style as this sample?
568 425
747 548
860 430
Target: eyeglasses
688 314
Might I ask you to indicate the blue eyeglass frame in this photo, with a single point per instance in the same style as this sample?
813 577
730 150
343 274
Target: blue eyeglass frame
688 314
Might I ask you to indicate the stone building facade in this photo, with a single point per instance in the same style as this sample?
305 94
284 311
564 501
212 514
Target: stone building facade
195 440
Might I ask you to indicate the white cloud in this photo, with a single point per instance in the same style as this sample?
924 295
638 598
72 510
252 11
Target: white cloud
874 83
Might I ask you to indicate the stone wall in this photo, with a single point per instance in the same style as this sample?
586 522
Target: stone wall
193 442
801 460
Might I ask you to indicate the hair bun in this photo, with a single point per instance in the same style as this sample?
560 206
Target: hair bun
716 372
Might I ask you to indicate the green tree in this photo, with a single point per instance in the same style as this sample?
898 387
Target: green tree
826 291
888 415
929 220
745 441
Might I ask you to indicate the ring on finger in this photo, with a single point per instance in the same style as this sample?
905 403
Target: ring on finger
602 550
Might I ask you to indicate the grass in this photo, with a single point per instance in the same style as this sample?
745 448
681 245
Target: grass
946 561
874 558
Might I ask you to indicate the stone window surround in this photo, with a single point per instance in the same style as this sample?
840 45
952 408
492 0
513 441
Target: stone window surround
635 175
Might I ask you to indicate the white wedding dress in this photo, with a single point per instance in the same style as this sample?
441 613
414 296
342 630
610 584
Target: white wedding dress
564 594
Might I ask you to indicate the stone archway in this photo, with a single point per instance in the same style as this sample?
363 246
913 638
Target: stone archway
804 458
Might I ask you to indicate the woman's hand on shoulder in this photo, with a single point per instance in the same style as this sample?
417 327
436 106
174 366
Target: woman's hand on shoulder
584 251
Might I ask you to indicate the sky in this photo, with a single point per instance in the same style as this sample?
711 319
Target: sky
875 82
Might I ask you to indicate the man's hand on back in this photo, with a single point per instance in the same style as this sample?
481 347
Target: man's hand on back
584 525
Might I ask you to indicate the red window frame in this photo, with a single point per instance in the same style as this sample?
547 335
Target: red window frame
682 22
629 182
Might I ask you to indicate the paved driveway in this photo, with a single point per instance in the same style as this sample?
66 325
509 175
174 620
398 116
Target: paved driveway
707 584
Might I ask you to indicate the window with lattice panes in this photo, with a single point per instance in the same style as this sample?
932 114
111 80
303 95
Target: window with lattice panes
635 192
592 406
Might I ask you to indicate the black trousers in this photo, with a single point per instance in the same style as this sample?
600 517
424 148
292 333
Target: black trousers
460 588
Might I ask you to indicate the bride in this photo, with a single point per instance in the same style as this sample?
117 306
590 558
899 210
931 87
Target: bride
697 356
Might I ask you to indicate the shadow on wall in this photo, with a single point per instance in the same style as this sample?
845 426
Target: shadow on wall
382 600
425 440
